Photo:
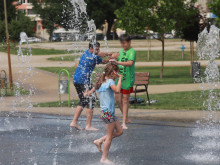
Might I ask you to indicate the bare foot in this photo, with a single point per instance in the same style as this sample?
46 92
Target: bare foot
124 126
91 129
106 161
98 145
75 126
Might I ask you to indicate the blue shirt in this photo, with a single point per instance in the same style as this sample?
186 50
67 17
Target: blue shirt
106 95
85 68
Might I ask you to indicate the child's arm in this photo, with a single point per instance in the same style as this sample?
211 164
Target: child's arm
117 88
128 63
112 56
115 55
103 54
88 93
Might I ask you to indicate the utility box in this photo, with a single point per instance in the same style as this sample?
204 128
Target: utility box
196 70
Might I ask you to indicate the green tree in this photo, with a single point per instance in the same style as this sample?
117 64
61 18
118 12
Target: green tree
214 7
17 22
158 15
191 24
101 10
10 8
53 13
21 24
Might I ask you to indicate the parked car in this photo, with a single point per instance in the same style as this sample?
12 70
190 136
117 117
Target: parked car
141 36
34 39
133 36
138 36
154 36
69 37
56 38
168 36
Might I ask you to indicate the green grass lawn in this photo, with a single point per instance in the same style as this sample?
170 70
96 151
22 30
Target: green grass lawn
169 101
37 51
64 58
172 75
142 56
155 56
8 92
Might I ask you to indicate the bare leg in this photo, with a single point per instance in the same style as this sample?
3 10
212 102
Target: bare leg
99 142
75 118
119 130
118 98
89 115
117 133
125 101
109 136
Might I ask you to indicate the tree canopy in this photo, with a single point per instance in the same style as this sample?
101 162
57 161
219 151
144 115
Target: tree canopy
214 7
10 8
101 10
53 13
17 22
191 24
159 15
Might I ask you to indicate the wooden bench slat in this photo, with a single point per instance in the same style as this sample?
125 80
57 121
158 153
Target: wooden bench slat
142 78
141 82
142 74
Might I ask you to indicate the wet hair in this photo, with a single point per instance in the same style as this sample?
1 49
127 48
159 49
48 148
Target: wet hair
107 72
94 44
125 37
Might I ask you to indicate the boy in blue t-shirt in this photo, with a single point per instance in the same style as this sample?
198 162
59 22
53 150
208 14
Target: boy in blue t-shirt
81 81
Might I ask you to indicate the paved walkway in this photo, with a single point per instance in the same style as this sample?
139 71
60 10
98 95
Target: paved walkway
41 61
47 140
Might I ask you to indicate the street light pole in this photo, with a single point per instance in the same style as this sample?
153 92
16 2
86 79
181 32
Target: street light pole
8 46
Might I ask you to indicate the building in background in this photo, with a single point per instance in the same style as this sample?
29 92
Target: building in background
26 7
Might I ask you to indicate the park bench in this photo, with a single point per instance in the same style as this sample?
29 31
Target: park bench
142 79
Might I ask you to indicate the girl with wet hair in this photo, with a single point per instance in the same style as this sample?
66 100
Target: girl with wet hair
106 88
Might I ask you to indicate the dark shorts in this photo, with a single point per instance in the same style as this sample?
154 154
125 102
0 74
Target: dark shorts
124 91
88 102
107 117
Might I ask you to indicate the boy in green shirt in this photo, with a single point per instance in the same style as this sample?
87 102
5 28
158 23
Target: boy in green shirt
126 62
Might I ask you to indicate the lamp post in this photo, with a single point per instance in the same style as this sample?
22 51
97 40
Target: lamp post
8 46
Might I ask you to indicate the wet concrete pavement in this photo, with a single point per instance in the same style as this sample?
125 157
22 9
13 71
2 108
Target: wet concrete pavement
47 140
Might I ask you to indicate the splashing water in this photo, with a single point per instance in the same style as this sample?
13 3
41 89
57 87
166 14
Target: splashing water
106 43
24 79
207 134
82 29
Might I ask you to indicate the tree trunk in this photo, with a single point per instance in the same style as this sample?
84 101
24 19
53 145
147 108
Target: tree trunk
163 55
191 56
110 24
51 37
193 51
149 48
